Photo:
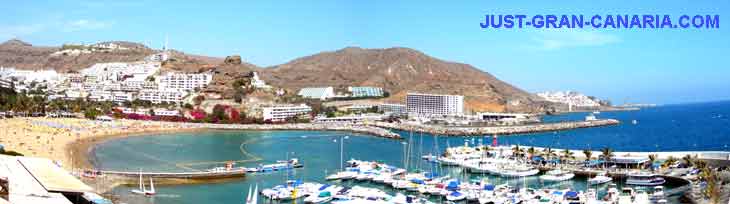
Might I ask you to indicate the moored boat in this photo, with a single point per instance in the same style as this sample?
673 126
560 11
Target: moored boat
645 179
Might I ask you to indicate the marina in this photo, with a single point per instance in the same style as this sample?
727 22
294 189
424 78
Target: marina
419 166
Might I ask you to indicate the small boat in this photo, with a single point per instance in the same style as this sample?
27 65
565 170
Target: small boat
344 175
557 175
641 197
645 179
518 171
142 190
321 197
455 196
658 194
601 178
278 166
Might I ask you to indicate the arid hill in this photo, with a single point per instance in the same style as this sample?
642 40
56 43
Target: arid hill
399 71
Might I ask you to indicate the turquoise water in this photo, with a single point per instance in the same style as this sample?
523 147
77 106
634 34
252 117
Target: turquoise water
681 127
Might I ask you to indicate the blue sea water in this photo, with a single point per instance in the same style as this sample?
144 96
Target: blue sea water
668 128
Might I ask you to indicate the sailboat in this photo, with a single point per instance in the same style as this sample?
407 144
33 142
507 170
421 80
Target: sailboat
248 197
142 190
252 198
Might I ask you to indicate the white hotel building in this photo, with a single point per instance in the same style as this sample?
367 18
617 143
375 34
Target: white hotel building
185 82
158 95
281 113
427 105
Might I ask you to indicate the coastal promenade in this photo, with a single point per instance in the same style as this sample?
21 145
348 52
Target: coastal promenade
499 130
359 128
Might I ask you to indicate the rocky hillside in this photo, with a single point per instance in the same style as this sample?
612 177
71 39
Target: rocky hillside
399 71
16 53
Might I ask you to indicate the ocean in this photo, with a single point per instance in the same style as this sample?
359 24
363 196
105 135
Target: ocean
685 127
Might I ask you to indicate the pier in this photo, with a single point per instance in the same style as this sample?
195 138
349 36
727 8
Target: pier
499 130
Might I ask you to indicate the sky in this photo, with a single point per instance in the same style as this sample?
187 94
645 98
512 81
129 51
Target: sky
636 66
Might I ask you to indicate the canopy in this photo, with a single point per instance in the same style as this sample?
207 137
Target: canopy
453 185
571 194
325 186
325 194
455 193
489 187
418 181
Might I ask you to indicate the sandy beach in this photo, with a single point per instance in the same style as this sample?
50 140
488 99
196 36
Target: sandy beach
68 140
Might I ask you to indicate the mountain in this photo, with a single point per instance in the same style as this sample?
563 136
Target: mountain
21 55
399 71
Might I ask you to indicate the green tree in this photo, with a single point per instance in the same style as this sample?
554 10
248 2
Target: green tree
517 151
567 155
532 152
607 154
588 153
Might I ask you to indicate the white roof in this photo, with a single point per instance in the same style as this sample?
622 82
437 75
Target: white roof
24 187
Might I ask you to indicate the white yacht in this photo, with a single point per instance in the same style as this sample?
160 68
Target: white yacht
645 179
557 175
601 178
517 171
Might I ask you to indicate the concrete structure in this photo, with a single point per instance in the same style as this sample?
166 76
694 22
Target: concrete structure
571 98
257 82
490 116
321 93
351 118
364 91
40 181
184 81
281 113
146 111
158 96
427 105
394 109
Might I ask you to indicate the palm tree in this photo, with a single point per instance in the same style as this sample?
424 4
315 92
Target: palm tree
687 160
588 154
517 151
568 155
607 154
652 158
700 164
531 151
549 153
670 160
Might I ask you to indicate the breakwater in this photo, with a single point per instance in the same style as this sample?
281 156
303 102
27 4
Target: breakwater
499 130
358 128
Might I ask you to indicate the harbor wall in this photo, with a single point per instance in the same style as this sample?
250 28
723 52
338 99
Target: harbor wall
499 130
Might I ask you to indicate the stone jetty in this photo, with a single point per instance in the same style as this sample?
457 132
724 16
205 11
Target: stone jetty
352 127
499 130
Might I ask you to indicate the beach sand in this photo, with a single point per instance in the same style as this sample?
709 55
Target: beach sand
69 140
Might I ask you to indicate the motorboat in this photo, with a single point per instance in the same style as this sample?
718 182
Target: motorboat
644 179
658 194
517 171
600 178
344 175
557 175
455 196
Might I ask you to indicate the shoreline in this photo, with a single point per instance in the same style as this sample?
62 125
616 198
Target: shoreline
497 130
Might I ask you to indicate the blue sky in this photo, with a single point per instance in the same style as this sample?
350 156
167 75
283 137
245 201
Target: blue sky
655 66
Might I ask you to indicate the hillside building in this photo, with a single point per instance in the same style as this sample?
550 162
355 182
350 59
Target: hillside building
283 112
428 105
364 91
321 93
